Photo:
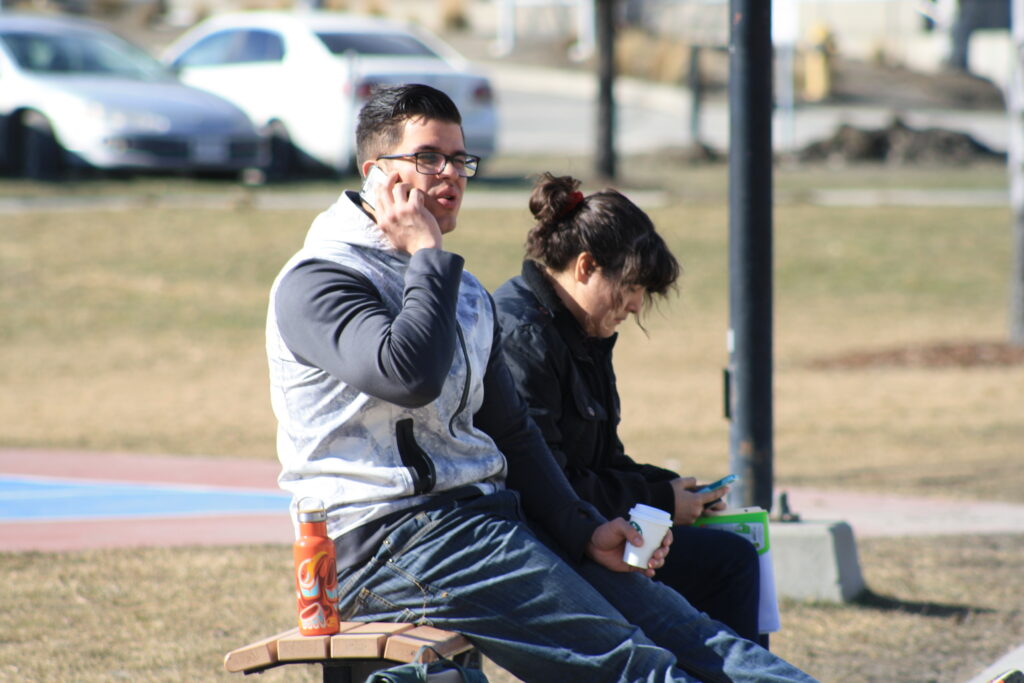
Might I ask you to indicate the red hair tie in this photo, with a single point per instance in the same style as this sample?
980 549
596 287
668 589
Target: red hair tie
574 200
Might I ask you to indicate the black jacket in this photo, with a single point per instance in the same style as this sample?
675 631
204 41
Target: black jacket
568 381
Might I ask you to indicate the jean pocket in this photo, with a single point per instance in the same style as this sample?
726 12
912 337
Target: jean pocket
371 604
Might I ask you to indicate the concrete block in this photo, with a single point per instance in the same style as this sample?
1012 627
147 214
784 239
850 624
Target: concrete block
816 560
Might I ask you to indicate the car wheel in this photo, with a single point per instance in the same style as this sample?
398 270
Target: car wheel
283 162
42 157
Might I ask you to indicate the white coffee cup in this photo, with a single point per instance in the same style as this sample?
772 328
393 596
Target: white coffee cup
653 524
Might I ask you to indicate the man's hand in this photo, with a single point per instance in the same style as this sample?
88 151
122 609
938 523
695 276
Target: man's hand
689 504
403 218
608 543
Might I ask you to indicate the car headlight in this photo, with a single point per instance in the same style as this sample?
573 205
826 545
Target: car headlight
117 119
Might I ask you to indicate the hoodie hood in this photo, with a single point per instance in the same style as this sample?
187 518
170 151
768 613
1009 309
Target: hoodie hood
345 222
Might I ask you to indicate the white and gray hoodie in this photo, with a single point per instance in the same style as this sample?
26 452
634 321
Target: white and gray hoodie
375 404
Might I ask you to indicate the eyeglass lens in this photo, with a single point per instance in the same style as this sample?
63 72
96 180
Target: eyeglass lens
430 163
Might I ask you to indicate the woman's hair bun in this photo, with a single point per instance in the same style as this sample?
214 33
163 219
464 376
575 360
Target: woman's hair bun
552 196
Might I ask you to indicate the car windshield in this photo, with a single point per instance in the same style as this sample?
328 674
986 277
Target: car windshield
391 44
82 53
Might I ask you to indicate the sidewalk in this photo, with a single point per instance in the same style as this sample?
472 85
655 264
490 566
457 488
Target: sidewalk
187 527
870 515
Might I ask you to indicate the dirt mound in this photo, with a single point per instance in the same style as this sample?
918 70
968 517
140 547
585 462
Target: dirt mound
898 144
858 82
938 355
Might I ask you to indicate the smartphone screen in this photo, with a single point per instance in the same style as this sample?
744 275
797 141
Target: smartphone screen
374 178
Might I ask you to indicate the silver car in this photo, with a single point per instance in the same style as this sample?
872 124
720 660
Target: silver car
303 76
73 93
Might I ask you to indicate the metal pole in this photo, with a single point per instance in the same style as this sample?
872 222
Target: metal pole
693 79
1015 161
750 251
506 37
584 47
605 29
785 30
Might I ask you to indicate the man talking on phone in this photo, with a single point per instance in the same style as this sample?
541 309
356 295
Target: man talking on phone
395 409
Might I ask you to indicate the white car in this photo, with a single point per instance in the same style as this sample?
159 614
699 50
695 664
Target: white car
303 76
73 93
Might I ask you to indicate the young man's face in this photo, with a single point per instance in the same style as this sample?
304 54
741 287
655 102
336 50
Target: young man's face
443 191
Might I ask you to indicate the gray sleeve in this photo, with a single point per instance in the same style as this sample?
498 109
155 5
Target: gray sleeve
333 318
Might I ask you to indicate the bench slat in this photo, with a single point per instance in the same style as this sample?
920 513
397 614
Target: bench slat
404 647
357 640
297 647
365 640
256 655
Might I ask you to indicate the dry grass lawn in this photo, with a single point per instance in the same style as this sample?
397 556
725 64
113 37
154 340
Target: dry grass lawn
941 610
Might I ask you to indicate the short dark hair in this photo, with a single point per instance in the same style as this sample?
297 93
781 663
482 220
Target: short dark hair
606 224
382 118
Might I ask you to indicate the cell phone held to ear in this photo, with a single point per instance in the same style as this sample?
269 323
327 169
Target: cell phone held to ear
374 179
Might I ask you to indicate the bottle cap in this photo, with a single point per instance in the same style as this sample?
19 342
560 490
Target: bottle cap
311 510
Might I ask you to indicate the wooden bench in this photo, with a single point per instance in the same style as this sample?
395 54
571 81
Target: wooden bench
359 649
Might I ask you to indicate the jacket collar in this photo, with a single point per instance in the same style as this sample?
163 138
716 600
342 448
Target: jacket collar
563 319
345 222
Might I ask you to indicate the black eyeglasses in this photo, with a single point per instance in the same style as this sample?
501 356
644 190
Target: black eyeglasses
432 163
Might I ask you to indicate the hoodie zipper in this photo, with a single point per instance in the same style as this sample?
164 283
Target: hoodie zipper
469 376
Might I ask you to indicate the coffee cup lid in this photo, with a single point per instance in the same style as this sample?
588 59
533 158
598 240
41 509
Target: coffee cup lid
651 513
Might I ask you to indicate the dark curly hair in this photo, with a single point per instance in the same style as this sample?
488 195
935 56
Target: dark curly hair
614 230
382 118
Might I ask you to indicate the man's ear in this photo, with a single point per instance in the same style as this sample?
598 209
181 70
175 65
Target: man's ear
585 267
364 168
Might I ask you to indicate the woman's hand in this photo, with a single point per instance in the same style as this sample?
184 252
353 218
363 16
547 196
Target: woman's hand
690 504
608 543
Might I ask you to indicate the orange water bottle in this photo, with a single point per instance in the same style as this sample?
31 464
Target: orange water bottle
316 576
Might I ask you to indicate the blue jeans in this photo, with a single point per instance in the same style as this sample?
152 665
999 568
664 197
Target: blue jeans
719 573
475 567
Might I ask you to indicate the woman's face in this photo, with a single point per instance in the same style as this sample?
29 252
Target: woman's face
604 303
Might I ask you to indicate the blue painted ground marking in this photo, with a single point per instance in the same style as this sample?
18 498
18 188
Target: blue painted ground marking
50 499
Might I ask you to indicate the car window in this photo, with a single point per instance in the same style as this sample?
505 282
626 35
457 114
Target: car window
81 53
211 50
234 47
392 44
261 46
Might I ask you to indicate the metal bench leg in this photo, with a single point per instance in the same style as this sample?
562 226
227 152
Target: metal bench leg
334 673
471 659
